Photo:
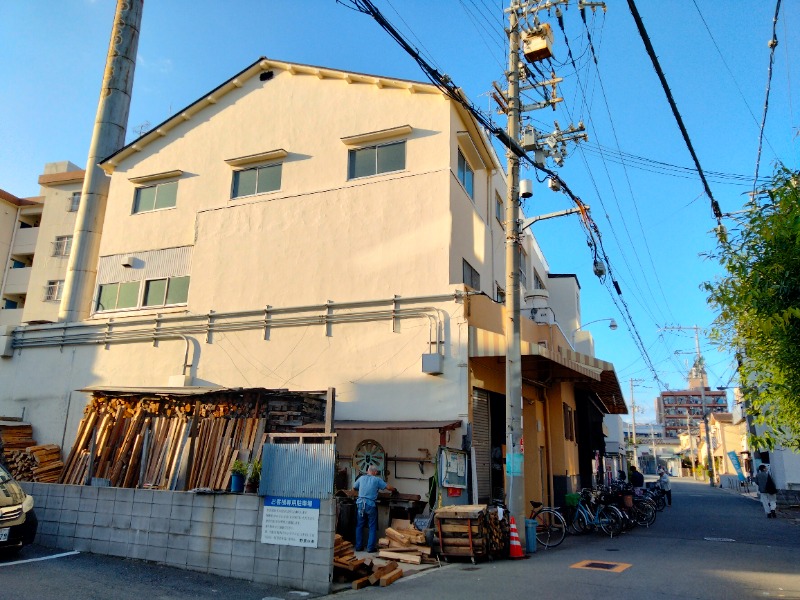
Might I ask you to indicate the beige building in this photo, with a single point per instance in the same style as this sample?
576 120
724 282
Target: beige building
301 227
36 238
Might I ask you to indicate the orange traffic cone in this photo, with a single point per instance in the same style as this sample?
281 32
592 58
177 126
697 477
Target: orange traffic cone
515 550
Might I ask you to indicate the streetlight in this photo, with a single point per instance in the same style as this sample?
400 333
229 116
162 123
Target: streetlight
612 325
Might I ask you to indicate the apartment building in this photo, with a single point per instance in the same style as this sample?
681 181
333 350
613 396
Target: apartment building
302 227
38 240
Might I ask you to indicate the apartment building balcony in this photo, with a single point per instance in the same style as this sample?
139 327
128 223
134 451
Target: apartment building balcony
25 240
17 281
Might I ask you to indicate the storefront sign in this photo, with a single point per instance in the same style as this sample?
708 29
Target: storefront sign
290 521
514 462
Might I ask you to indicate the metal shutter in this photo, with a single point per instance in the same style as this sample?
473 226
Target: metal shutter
481 443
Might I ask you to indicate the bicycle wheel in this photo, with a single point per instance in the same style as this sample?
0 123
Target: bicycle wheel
661 502
550 528
579 523
644 512
610 520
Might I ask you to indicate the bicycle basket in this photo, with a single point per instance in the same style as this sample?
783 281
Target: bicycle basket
571 500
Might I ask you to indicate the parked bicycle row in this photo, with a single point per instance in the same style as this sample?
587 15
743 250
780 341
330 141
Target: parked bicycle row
610 510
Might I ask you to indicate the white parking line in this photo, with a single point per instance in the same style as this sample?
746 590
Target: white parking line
20 562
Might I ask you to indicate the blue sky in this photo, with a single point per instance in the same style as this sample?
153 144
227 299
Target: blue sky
654 218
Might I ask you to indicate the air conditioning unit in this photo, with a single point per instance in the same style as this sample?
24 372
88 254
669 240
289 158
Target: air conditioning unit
128 261
433 364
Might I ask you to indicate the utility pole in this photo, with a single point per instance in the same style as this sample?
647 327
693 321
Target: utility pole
691 441
701 369
536 47
514 465
633 419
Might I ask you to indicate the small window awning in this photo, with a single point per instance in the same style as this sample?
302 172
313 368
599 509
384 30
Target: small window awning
542 364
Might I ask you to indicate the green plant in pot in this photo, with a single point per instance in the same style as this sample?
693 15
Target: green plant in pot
238 476
254 477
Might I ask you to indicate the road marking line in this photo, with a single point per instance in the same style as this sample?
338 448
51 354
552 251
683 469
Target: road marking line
30 560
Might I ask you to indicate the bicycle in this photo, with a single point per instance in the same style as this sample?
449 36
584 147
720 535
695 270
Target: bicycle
609 519
551 527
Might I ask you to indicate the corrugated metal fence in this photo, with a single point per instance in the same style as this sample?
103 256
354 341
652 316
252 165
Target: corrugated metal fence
298 470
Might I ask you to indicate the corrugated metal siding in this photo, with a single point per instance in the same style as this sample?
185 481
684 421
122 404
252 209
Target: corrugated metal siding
481 442
152 264
298 470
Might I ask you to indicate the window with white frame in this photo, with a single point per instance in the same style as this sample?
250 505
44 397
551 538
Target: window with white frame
538 284
155 197
523 268
166 291
257 180
501 293
471 277
62 246
53 289
374 160
116 296
499 209
466 175
74 202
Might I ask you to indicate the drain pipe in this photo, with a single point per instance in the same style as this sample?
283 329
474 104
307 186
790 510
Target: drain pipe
110 125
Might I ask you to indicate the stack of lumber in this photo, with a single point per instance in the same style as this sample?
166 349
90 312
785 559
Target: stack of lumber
361 571
179 441
36 463
404 543
472 531
15 435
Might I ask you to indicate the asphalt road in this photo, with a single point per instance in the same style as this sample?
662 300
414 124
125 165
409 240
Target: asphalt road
673 559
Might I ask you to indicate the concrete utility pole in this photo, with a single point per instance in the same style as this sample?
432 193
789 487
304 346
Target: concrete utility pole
633 419
514 469
108 137
700 363
691 441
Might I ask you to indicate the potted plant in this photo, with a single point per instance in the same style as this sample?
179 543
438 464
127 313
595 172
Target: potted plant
254 477
238 475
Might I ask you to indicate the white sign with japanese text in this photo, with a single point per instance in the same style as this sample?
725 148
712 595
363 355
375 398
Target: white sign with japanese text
290 521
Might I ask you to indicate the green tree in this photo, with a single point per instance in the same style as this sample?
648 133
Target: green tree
758 299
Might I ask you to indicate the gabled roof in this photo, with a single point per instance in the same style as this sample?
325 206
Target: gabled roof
260 66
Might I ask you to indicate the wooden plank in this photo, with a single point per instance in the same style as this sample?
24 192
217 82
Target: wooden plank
397 536
361 583
391 577
448 528
413 559
381 571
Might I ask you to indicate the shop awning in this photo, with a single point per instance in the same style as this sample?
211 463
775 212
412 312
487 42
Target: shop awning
540 364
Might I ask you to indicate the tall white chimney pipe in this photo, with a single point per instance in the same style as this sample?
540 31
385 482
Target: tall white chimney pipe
108 137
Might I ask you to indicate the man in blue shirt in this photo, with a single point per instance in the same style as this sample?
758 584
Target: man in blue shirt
368 487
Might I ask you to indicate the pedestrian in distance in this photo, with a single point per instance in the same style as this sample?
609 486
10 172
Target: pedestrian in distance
368 486
636 478
663 481
768 491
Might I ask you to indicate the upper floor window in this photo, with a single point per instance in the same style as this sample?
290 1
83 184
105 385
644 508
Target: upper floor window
256 181
373 160
523 268
501 293
62 246
74 202
163 292
466 175
115 296
53 289
155 197
471 277
499 209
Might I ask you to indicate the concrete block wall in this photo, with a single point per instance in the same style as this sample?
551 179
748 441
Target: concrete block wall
218 534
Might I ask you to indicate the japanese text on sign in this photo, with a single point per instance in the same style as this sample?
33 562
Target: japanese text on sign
290 521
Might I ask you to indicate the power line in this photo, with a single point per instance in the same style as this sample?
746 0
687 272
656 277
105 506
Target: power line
652 54
773 43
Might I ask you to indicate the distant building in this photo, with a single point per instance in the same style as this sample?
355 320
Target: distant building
677 409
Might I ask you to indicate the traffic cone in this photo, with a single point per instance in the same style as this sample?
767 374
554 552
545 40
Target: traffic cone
515 550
